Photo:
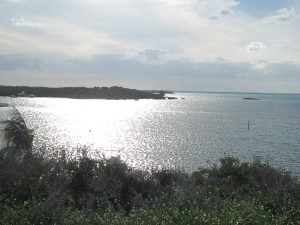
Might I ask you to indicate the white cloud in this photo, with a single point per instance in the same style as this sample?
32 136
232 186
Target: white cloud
260 66
282 15
180 27
57 38
26 23
256 47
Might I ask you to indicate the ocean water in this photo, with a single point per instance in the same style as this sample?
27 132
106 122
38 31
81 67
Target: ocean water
191 132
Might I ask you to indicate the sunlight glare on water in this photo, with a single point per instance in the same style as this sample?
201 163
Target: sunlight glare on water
187 133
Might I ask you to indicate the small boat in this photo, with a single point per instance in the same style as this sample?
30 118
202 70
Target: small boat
23 94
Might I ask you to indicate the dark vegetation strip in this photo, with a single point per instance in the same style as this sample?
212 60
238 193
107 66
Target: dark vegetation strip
82 92
106 191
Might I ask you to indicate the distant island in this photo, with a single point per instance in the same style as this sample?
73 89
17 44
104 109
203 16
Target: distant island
81 92
251 98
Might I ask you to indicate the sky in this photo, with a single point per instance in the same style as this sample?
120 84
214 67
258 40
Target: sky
185 45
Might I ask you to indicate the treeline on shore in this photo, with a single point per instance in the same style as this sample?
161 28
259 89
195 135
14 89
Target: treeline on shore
82 92
68 188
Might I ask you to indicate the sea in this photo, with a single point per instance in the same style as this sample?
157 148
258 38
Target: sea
195 130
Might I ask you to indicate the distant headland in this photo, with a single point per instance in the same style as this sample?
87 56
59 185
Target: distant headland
81 92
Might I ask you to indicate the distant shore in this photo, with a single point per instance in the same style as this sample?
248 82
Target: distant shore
114 92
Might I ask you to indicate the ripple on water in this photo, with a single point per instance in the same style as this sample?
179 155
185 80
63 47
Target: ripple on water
179 133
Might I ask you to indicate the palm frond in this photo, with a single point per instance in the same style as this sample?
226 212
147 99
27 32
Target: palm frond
16 134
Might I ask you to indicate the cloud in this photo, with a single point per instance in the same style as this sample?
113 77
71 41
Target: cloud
179 74
213 17
223 8
179 27
151 55
15 1
26 23
57 38
282 15
222 12
160 42
256 47
260 66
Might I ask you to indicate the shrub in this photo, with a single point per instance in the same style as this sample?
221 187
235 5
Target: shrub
84 190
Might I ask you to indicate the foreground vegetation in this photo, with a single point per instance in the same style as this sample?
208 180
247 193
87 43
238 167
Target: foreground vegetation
35 189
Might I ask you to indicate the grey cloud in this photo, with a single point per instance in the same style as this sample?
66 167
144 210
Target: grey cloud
222 12
285 71
121 67
37 63
152 55
12 62
213 17
118 69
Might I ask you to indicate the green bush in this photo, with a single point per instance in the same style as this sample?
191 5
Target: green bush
84 190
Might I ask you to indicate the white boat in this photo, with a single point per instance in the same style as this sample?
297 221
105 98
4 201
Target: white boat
23 94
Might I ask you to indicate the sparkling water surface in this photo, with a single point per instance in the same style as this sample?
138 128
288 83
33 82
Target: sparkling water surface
184 133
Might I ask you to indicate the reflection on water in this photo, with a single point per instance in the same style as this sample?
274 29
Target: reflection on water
185 133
